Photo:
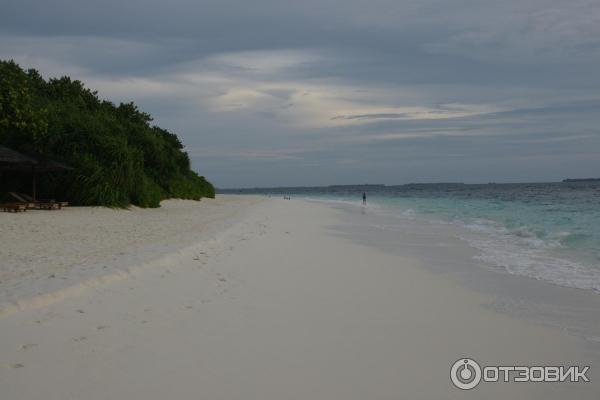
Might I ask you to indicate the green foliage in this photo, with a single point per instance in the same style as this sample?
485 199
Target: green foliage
118 157
20 111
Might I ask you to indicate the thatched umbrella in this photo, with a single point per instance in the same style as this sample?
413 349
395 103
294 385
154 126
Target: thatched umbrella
11 160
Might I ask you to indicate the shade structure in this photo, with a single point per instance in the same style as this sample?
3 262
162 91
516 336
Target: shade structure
11 160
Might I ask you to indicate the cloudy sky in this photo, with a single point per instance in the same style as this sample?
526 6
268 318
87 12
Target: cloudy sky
317 92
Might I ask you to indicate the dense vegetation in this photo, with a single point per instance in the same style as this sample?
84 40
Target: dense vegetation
118 157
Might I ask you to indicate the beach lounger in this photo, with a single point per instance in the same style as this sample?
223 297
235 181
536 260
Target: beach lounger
41 204
21 200
14 207
47 202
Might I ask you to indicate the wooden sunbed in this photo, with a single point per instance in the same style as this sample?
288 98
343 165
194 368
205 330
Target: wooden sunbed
41 204
14 207
49 204
21 200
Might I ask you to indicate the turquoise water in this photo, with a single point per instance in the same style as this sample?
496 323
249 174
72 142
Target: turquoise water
548 231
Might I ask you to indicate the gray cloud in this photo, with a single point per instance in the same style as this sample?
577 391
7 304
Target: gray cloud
265 92
374 116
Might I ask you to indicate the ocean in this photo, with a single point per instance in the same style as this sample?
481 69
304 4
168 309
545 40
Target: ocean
546 231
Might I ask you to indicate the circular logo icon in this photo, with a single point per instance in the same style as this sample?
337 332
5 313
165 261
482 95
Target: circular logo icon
465 373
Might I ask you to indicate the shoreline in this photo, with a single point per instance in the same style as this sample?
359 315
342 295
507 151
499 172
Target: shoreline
544 231
296 300
444 250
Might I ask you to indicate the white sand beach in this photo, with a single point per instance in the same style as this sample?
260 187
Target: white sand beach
43 253
252 298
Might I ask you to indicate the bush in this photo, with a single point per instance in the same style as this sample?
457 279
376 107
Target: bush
118 157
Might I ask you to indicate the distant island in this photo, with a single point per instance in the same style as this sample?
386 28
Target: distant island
581 180
365 185
116 156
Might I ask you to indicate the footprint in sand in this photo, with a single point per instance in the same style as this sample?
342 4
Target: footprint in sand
189 307
81 311
79 339
28 346
17 365
100 327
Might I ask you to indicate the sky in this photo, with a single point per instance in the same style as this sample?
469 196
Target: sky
319 92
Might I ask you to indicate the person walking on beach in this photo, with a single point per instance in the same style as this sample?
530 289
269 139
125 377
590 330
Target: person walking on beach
364 199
